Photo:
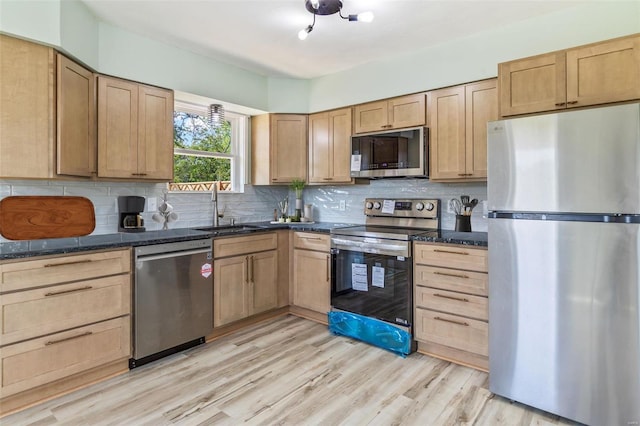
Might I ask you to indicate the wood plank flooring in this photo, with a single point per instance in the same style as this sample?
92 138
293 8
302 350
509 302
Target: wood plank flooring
287 371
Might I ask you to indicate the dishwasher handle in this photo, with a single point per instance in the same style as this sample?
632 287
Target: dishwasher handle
148 258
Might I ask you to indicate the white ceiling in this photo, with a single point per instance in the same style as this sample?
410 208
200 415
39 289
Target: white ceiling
261 35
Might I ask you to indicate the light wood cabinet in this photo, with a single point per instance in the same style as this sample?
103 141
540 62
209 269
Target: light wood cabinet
588 75
395 113
451 303
60 317
76 119
330 147
135 130
27 109
278 148
245 282
458 119
312 272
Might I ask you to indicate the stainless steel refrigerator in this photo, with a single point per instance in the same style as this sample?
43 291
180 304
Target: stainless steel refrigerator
564 254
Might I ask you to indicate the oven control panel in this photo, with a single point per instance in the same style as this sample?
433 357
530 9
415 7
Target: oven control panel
418 207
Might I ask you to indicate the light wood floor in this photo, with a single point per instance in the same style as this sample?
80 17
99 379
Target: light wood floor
287 371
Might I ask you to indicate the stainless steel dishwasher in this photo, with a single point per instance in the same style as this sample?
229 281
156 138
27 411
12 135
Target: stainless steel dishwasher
172 299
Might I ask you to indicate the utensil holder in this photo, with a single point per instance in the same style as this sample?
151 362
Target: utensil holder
463 223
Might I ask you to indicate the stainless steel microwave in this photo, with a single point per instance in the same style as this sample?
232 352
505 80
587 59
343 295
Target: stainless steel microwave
394 153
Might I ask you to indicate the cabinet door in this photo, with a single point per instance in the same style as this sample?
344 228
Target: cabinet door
155 133
263 275
605 72
288 147
311 275
447 126
76 118
371 116
407 111
532 84
319 149
117 128
27 109
340 143
230 290
330 147
481 102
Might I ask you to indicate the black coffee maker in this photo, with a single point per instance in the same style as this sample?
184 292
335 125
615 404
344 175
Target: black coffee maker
129 208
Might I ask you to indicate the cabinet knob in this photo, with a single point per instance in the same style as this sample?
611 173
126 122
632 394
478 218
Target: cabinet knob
572 102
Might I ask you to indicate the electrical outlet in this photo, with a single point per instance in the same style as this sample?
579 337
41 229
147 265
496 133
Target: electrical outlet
449 209
343 205
152 204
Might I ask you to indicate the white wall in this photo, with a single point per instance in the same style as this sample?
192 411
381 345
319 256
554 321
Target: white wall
475 57
79 32
37 20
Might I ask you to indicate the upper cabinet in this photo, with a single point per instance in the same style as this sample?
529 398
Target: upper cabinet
329 146
27 109
458 119
589 75
278 148
135 130
76 119
396 113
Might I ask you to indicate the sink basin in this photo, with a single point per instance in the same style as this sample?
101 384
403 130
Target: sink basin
227 229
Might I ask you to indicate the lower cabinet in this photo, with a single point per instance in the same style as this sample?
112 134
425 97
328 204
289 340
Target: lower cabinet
451 303
245 282
312 272
64 323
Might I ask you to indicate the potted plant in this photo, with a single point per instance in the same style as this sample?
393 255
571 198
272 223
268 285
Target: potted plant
298 185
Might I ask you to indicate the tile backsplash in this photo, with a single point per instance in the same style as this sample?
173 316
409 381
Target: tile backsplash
255 204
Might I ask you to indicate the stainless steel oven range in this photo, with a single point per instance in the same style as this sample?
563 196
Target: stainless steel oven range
372 263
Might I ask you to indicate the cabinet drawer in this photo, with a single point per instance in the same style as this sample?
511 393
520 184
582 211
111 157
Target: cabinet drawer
451 257
40 361
452 279
32 313
61 269
253 243
311 241
450 302
453 331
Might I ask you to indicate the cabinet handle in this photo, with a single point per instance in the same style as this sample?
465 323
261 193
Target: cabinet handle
55 293
466 324
246 268
451 252
251 268
572 102
327 178
53 342
328 273
444 296
465 174
310 238
450 275
50 265
560 104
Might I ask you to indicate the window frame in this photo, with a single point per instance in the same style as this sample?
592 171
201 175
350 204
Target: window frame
239 146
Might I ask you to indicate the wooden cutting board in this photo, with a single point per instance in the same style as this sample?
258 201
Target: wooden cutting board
38 217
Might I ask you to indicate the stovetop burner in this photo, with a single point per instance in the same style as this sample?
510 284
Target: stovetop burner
386 232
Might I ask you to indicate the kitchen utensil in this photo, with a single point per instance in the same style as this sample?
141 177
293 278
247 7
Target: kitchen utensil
464 199
37 217
455 205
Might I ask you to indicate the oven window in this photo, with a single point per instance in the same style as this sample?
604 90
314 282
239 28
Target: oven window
372 285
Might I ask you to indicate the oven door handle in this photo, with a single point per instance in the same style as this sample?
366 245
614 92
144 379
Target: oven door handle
375 248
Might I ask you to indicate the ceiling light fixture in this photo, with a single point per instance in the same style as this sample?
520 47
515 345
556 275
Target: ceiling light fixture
329 7
216 115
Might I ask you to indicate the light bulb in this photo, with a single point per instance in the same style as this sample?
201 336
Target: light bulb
315 4
302 35
365 17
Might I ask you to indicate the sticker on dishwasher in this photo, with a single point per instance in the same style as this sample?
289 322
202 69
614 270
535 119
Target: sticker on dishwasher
206 270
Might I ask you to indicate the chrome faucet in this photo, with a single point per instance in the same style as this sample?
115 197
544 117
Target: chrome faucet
214 200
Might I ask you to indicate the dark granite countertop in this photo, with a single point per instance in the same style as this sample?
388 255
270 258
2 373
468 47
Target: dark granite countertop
23 249
478 239
29 248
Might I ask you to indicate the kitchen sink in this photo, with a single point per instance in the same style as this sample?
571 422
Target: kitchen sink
228 229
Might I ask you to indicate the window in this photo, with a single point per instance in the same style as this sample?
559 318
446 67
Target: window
204 156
